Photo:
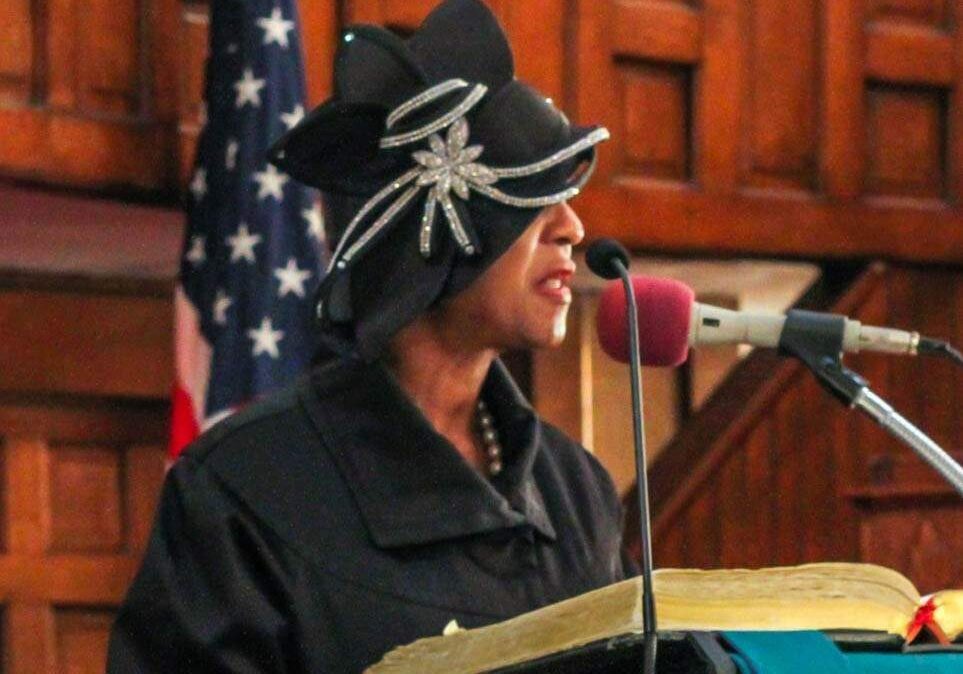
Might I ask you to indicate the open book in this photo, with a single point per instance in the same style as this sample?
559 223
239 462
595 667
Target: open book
830 596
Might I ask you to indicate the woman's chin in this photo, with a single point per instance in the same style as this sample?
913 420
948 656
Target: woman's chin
559 330
551 333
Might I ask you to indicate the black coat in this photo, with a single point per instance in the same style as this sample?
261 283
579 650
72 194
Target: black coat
317 530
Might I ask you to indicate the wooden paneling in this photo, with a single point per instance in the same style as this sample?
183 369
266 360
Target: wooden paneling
82 635
797 128
657 31
106 345
650 94
809 126
319 31
85 370
89 88
773 470
78 496
931 13
901 53
781 100
86 508
843 147
923 542
907 134
16 53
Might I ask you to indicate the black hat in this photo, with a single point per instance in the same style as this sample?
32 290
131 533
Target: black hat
433 159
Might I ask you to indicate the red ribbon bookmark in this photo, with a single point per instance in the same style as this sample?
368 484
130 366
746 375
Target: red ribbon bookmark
924 618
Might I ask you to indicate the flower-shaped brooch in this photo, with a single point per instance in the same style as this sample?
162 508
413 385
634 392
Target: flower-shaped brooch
450 166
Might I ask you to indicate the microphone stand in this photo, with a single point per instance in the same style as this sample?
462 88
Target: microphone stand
817 340
649 626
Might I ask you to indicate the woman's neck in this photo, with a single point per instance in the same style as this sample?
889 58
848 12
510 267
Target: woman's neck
443 375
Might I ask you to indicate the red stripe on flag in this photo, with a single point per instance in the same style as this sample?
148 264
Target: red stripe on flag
184 428
192 363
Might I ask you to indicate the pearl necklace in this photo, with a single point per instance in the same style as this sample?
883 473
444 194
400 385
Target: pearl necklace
489 437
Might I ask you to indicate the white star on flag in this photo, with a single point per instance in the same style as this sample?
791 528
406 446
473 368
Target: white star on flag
221 304
199 184
276 28
230 155
290 119
292 279
315 222
266 339
270 182
248 89
242 244
196 254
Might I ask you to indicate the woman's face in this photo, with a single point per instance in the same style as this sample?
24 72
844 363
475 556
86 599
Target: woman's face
522 300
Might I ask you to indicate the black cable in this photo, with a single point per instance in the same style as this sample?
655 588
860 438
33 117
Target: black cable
936 347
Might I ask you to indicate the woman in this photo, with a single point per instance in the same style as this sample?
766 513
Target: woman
405 483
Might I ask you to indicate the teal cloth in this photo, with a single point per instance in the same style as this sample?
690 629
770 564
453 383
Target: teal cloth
806 652
786 653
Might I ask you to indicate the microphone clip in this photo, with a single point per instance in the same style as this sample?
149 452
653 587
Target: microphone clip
817 340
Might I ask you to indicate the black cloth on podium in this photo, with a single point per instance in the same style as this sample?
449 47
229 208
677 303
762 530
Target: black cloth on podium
317 530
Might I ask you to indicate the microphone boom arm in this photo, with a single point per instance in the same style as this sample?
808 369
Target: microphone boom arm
898 426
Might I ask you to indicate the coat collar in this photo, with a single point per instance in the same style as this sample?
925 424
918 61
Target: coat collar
410 484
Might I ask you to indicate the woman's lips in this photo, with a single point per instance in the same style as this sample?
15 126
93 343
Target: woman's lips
554 286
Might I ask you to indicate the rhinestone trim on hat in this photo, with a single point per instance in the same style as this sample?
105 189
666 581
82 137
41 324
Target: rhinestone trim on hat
420 133
383 194
594 138
378 225
424 98
528 202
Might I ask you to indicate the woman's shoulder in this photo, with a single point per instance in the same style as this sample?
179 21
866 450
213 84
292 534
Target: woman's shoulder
269 460
245 428
275 425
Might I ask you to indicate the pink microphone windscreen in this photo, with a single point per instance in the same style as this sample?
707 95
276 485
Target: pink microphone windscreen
665 310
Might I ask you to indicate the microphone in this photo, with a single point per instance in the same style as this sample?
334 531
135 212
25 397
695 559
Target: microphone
671 321
602 256
665 309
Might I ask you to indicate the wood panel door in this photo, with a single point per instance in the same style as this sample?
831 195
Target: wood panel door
795 127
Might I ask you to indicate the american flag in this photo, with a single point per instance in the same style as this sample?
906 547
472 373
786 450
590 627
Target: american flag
252 251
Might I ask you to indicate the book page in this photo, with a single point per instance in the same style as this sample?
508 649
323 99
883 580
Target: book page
949 612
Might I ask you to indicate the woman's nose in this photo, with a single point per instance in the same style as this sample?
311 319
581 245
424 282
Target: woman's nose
564 226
